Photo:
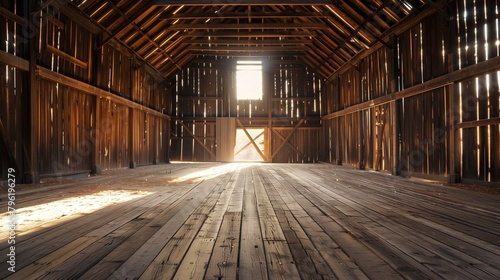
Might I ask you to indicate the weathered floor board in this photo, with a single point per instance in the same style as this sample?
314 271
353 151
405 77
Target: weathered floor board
253 221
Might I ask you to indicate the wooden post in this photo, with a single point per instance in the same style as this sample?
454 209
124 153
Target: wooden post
270 91
32 176
133 138
452 118
453 148
339 136
96 167
361 160
395 108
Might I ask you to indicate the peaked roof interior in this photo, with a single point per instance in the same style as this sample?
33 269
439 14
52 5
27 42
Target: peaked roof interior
323 34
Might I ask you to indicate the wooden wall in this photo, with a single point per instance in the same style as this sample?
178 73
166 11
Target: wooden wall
414 107
205 91
13 93
67 107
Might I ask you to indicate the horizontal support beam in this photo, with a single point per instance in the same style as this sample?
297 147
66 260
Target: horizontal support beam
47 74
488 66
241 2
241 15
253 34
246 26
478 123
66 56
10 15
281 49
249 42
248 54
14 61
231 64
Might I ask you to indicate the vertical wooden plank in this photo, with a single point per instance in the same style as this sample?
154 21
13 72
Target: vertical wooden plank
32 175
495 129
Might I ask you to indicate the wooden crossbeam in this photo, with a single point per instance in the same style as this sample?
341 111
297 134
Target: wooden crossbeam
247 54
251 139
478 123
257 26
241 15
14 61
249 42
243 2
249 143
252 34
287 138
490 65
66 56
89 89
196 138
288 143
249 48
12 16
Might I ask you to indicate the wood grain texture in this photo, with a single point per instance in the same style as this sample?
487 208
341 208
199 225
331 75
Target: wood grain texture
271 221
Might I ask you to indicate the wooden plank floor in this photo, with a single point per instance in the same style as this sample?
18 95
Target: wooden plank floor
252 221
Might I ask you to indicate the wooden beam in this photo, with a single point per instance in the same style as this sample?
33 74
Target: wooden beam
224 62
439 9
287 139
77 15
400 27
490 65
89 89
249 143
242 2
197 139
249 42
12 16
251 140
478 123
240 15
248 26
143 34
248 54
281 49
32 174
288 143
14 61
252 34
125 24
66 56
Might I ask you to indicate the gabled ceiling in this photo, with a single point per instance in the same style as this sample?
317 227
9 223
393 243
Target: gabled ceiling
323 34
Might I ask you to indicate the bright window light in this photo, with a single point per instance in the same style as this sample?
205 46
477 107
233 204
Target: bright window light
249 80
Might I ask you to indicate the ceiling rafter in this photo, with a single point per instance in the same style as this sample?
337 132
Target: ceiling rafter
324 34
242 15
130 20
242 2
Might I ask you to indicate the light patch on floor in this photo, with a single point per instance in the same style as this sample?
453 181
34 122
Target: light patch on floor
213 172
31 218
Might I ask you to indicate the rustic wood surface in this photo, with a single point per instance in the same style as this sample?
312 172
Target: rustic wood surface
253 221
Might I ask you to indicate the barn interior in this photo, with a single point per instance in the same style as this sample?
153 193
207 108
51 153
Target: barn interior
265 139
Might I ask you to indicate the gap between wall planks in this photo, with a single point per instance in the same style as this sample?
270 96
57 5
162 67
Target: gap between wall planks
424 80
270 220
